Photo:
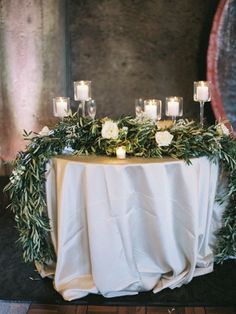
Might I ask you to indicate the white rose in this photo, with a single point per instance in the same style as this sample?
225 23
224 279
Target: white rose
163 138
110 130
44 132
221 129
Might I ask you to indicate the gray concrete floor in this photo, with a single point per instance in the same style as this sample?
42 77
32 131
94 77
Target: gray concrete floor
13 308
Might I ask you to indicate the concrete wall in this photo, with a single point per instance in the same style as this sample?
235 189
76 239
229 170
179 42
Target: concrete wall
33 67
134 48
128 48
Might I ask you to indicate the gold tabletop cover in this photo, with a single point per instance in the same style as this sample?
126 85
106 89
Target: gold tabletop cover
94 159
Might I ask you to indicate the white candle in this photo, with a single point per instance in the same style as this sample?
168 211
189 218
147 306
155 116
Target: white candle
60 108
173 108
150 110
120 153
202 93
82 92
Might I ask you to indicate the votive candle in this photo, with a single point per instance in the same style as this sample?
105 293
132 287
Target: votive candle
173 108
202 93
121 153
152 109
60 106
82 90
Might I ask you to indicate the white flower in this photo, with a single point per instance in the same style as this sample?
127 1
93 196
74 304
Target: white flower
125 128
12 179
221 129
68 150
110 130
16 174
163 138
44 132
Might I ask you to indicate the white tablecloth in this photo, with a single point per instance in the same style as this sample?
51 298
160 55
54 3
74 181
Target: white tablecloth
124 226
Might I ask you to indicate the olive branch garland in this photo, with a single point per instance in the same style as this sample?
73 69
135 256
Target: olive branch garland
83 136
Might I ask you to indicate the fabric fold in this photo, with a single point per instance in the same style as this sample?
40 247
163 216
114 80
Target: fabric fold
121 228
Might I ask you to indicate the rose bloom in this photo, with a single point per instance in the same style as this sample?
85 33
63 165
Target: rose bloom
44 132
221 129
163 138
110 130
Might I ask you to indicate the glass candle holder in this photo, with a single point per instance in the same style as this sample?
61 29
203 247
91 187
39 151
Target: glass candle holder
121 152
82 93
61 106
152 109
138 107
91 108
82 90
174 107
202 94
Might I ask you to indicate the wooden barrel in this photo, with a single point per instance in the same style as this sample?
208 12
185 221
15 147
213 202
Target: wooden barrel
221 62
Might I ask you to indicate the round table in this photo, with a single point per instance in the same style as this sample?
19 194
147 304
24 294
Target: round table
124 226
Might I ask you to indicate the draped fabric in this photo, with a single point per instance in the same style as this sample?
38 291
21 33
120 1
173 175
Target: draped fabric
124 226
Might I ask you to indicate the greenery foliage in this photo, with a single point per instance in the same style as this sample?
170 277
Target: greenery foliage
75 135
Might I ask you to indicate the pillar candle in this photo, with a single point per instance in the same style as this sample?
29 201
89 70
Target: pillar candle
60 108
202 93
173 108
82 92
150 110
